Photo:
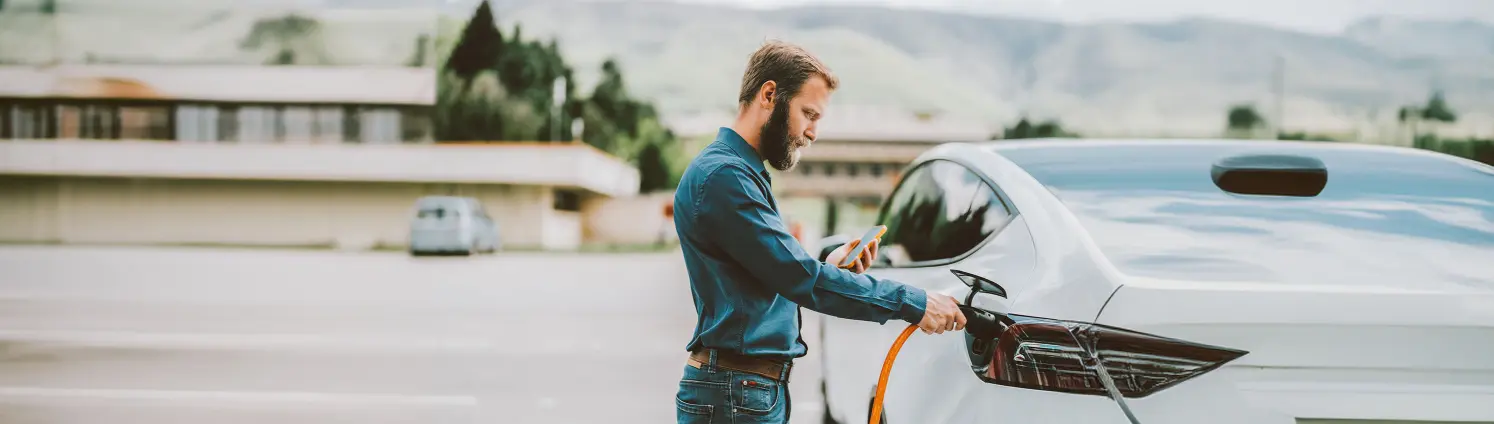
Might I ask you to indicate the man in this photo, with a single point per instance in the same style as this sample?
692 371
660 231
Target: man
749 276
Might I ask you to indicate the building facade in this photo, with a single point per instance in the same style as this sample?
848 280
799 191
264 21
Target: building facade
266 156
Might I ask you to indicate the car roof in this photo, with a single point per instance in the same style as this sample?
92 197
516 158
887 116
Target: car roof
1386 213
446 201
1185 164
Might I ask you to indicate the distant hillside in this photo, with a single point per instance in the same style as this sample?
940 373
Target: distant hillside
1102 79
1113 78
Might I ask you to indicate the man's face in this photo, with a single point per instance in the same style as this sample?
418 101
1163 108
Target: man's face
792 125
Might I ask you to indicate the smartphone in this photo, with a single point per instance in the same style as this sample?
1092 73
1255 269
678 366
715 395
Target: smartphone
872 234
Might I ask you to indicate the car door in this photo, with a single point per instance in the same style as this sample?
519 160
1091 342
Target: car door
484 230
942 216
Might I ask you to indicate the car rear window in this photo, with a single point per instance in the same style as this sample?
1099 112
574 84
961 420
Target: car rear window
1386 217
435 213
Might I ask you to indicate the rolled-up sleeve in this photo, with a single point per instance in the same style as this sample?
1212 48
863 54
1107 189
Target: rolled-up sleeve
737 218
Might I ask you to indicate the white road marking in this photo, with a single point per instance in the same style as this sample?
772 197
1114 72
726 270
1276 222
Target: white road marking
328 399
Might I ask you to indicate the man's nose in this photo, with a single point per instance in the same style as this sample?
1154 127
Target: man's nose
809 132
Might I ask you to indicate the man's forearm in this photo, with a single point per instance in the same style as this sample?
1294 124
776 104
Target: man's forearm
843 294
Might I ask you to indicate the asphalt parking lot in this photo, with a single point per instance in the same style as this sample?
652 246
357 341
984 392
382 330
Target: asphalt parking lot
166 336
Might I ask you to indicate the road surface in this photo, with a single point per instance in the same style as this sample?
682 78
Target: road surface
191 336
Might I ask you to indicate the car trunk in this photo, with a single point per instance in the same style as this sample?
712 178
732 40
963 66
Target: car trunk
437 218
1400 351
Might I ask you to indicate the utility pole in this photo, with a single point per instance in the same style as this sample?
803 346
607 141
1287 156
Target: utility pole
559 102
1279 87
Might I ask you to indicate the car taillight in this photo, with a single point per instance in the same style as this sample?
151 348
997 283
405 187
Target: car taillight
1055 355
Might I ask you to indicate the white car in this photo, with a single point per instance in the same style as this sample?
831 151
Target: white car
1256 282
452 225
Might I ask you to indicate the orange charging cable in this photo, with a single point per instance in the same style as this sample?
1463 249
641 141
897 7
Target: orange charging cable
876 411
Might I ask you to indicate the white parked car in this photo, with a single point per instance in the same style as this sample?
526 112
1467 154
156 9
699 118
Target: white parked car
452 225
1256 282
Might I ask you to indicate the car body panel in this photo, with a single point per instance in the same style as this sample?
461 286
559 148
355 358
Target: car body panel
1363 332
1031 266
450 224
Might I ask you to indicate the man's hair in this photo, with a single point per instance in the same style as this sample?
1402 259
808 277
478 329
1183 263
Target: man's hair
787 65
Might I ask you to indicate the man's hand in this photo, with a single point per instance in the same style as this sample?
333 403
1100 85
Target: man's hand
941 313
862 263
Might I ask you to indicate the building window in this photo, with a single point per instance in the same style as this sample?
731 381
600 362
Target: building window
806 169
297 124
351 128
88 121
851 169
874 169
257 124
415 125
328 124
228 123
829 169
69 121
379 125
31 120
145 122
566 200
197 123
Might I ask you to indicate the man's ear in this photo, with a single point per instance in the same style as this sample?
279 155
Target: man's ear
767 94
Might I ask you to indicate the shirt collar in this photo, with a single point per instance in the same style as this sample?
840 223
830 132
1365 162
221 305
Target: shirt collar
731 139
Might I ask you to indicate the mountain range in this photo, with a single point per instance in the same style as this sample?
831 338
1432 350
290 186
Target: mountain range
1103 78
1112 78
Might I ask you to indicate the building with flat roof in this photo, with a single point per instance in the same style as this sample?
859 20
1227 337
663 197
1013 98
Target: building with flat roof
257 155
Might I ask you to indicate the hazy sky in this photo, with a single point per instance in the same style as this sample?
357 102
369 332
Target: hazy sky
1306 15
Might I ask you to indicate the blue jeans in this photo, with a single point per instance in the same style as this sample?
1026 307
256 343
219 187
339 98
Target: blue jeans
711 395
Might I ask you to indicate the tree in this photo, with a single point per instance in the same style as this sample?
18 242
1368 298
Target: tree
1046 129
288 40
612 117
480 46
522 88
481 110
496 88
422 52
1435 110
653 171
1243 117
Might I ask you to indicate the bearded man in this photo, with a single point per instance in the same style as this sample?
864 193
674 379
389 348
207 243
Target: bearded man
748 274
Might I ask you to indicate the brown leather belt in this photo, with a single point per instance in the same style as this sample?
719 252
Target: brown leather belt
773 369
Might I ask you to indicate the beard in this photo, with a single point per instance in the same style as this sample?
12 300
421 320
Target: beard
780 148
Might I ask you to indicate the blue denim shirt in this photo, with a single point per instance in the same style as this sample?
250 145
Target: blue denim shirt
749 275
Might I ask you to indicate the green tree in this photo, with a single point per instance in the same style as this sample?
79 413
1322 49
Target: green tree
497 87
653 171
422 52
1436 110
480 46
1481 150
1025 129
1244 118
524 74
1304 136
288 40
481 110
612 117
